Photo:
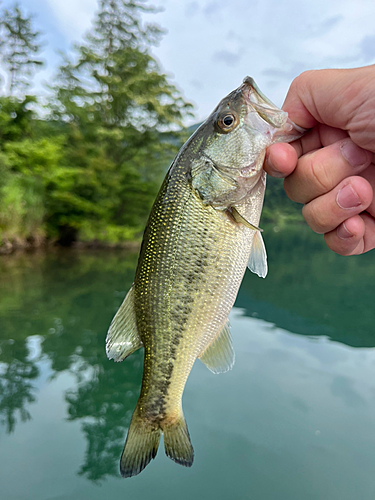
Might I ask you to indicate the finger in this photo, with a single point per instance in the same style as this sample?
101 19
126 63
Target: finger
318 137
339 98
369 175
354 236
320 171
281 160
369 237
347 239
351 197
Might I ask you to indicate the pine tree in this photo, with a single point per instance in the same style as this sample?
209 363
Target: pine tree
115 78
120 105
19 46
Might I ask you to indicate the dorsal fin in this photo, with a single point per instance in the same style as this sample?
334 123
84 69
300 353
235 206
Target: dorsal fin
219 355
122 337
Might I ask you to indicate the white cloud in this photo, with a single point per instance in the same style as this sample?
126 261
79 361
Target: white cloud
273 42
73 16
210 46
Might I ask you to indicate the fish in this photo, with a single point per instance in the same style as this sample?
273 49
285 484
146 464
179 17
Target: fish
202 233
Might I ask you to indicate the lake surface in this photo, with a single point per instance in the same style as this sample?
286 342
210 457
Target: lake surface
293 420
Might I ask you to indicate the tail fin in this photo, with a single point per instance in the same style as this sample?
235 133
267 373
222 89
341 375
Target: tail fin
177 442
141 446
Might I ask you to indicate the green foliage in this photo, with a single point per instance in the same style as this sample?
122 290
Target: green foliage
21 208
114 80
90 167
23 165
117 107
16 118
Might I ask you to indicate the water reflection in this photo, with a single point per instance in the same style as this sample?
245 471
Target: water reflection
16 388
105 404
68 299
312 291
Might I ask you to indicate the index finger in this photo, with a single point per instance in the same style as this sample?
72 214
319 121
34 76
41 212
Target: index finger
281 158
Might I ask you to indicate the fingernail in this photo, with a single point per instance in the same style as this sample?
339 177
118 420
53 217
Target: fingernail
343 233
353 154
347 197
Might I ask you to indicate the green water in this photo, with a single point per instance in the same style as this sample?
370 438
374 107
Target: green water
293 420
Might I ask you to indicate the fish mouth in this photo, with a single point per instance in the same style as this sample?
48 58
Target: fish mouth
269 112
265 108
254 96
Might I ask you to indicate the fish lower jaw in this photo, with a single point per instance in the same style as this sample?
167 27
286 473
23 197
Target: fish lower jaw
249 169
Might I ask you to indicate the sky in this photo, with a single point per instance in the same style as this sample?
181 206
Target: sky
210 46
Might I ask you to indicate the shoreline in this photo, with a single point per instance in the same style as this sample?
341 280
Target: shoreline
11 247
21 245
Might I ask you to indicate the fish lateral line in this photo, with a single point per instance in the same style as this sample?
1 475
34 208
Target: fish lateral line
237 217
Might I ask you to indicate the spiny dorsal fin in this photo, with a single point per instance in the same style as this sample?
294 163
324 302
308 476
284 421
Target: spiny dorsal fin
219 355
122 337
258 257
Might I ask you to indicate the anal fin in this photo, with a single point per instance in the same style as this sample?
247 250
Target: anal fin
122 337
219 355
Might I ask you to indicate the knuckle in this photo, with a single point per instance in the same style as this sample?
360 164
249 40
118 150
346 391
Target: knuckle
337 249
346 250
317 174
315 218
302 79
311 179
290 190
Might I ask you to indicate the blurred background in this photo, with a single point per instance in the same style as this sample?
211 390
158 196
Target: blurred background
96 99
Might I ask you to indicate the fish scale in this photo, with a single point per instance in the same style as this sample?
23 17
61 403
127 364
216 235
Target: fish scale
201 234
186 305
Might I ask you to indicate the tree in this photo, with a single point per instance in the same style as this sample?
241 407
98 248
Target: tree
119 109
19 44
115 79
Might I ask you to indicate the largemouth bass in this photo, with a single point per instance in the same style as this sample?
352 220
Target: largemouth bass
201 234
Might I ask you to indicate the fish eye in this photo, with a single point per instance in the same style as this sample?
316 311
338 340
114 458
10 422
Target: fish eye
227 122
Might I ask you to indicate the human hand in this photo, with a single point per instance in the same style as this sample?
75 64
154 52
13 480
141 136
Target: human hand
331 170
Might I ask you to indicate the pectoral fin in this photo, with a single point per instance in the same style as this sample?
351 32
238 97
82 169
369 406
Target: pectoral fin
258 256
122 337
241 220
219 355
